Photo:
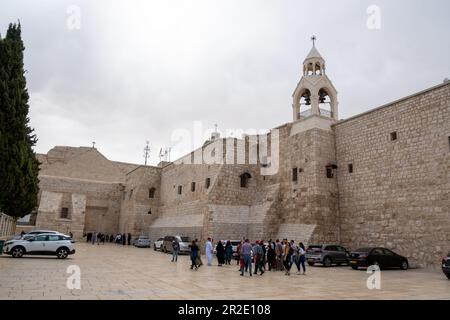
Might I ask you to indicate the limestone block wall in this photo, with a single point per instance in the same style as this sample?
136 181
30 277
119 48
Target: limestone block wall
399 193
86 201
138 209
311 202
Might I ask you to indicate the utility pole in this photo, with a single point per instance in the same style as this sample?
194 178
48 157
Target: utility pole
147 152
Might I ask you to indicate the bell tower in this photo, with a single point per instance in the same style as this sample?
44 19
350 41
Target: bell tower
315 93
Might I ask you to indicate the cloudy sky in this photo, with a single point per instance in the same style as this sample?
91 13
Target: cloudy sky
123 72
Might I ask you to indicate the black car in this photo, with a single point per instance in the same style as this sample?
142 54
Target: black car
446 265
382 257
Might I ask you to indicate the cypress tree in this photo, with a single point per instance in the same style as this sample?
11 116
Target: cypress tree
19 167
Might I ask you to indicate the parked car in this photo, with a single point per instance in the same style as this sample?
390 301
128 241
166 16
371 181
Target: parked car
33 233
41 244
382 257
142 242
446 265
184 243
326 254
158 244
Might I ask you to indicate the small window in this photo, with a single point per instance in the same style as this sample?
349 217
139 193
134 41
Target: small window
294 174
149 211
207 183
245 179
180 189
64 213
151 193
54 238
394 136
131 194
300 170
350 168
193 186
329 173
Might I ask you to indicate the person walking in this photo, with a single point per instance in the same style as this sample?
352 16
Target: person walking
94 237
271 256
264 254
209 251
279 255
228 252
175 250
129 238
194 252
246 252
302 253
288 251
257 256
220 253
124 239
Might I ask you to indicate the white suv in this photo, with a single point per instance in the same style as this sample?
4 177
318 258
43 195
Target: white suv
42 244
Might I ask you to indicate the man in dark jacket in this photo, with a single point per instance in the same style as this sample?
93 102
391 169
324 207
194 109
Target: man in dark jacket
129 238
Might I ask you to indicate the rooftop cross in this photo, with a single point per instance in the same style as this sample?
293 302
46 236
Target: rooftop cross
314 38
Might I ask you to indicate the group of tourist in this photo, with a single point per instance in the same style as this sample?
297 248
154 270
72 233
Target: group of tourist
98 237
274 256
277 256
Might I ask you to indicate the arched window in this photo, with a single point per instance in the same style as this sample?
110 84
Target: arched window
245 177
151 193
305 104
325 103
318 69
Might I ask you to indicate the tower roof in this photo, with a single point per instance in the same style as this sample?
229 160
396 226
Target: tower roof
313 54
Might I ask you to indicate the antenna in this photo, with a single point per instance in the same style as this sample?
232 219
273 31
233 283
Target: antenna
147 152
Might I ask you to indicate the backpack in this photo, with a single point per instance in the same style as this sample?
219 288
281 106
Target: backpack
291 251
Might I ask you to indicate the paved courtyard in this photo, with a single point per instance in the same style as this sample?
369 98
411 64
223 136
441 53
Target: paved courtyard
117 272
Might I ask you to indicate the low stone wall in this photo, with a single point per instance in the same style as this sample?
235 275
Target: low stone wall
7 226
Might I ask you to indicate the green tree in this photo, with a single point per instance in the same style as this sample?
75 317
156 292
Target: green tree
19 167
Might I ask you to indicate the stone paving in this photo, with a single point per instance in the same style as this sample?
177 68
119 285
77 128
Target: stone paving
117 272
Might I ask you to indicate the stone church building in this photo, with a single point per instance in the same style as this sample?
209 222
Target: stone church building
379 178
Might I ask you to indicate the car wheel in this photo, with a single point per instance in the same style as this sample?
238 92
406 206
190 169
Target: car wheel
327 262
311 264
404 265
17 252
355 267
62 253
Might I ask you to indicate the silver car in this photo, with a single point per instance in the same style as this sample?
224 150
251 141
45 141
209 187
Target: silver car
142 242
327 255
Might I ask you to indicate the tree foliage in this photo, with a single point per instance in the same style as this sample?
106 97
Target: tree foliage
19 167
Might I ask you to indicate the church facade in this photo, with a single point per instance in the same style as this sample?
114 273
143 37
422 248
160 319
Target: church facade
381 178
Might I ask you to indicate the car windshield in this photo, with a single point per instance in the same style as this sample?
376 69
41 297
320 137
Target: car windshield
184 239
315 247
363 250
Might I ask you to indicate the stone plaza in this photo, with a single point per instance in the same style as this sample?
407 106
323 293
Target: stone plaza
125 272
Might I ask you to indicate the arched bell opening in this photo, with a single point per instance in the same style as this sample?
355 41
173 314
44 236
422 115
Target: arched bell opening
325 103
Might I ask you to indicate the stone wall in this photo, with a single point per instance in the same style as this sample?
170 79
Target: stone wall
399 193
92 206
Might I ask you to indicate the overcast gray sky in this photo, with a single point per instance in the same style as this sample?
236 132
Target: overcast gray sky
139 70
